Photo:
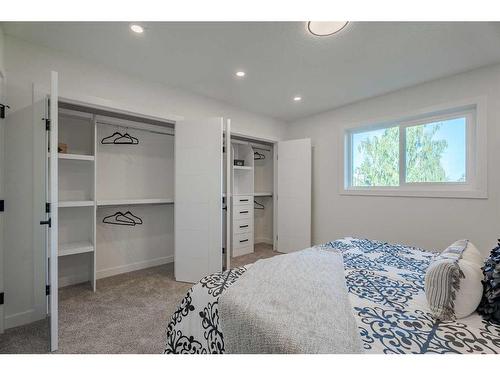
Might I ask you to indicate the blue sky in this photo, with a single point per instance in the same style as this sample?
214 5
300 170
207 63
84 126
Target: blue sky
454 157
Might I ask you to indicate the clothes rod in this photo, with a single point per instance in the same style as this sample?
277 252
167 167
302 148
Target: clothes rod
134 127
259 148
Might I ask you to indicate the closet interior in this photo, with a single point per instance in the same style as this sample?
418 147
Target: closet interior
252 186
116 193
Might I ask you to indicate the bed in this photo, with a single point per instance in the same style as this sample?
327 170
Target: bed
385 289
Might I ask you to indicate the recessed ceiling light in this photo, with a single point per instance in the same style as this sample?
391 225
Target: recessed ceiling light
325 28
297 98
137 28
240 73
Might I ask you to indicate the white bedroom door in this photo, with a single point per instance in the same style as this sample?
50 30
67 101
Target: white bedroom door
198 204
294 195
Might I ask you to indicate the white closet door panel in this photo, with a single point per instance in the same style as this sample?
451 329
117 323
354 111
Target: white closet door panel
198 206
294 195
54 201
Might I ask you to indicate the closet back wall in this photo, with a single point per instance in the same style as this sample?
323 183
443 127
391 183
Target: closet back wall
99 85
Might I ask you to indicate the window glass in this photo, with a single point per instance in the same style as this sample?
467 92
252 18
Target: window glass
375 157
436 152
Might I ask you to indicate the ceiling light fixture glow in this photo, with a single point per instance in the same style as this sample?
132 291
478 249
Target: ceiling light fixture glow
240 73
322 28
137 28
297 98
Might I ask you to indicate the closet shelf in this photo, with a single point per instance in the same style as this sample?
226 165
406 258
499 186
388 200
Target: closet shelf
75 157
76 204
75 248
245 168
263 194
126 202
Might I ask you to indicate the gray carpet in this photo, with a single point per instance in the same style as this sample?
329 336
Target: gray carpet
127 314
31 338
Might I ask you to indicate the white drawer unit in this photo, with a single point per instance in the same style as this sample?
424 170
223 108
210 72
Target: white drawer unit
242 225
242 200
242 243
243 212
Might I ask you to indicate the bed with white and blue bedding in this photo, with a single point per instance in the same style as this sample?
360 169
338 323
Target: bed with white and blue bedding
384 284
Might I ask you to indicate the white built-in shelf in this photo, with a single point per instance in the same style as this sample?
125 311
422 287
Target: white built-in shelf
127 202
75 248
75 157
76 204
263 194
245 168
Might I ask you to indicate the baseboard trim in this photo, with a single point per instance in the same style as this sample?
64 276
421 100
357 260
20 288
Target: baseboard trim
73 279
100 274
20 319
268 241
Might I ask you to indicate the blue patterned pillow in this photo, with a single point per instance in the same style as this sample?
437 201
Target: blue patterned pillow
490 303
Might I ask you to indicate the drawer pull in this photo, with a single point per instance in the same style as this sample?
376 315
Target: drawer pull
243 212
244 226
243 200
244 240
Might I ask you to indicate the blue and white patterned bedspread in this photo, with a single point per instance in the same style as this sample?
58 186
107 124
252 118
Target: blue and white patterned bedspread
386 290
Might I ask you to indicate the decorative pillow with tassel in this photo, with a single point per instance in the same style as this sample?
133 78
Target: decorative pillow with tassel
489 307
453 282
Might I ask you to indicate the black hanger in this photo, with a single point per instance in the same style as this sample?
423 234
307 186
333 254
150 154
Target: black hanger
258 156
136 219
126 139
258 206
121 139
119 218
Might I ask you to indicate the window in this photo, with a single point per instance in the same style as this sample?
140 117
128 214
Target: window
425 153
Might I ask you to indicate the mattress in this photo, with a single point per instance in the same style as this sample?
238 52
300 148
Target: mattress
385 286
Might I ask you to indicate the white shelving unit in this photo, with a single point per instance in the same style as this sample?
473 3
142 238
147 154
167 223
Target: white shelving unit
76 185
99 180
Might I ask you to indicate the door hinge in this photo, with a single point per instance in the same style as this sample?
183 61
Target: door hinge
2 110
47 208
47 290
1 298
47 124
2 205
223 250
46 222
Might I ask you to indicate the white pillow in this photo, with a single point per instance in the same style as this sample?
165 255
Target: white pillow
473 255
453 285
471 289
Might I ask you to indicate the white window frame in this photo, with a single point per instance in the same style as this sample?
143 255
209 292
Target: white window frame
475 184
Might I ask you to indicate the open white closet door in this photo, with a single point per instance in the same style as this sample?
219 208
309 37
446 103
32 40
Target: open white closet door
229 193
198 204
51 219
2 145
294 195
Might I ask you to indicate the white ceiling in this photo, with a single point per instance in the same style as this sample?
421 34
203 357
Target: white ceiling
281 59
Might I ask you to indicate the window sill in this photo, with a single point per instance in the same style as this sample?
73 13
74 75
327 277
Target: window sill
461 194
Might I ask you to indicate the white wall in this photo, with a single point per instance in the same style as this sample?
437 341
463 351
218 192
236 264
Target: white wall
27 63
425 222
